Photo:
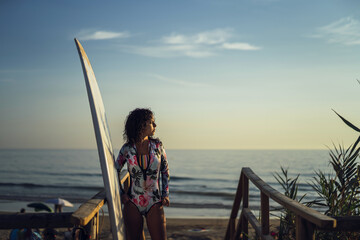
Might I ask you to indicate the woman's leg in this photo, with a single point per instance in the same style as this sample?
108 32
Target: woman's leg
156 222
133 222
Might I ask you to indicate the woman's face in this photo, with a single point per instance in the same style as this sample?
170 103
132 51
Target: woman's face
149 128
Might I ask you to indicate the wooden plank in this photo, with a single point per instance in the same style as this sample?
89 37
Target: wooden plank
93 227
255 224
35 220
239 228
245 192
265 221
245 225
309 214
238 198
230 229
88 210
252 220
304 229
348 223
235 209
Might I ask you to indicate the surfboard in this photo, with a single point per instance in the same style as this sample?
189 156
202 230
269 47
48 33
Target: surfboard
105 150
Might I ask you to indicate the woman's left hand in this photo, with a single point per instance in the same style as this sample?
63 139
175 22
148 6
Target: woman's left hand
165 201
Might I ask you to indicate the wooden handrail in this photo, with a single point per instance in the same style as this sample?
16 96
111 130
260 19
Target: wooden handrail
87 215
307 219
346 223
306 213
83 215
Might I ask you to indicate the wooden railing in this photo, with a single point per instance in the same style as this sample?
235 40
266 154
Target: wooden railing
86 216
307 219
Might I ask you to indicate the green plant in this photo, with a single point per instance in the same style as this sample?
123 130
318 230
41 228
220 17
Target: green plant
287 218
338 192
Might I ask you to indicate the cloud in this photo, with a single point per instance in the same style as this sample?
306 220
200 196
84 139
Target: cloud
208 37
168 51
198 45
101 35
216 36
239 46
175 39
344 31
161 51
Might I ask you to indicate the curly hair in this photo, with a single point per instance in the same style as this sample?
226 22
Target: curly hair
134 124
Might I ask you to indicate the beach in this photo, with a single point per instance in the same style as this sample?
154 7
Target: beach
177 228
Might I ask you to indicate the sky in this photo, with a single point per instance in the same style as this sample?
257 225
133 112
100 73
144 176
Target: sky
245 74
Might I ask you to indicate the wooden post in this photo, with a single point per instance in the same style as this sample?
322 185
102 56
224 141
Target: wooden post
97 226
264 214
92 228
239 227
307 219
235 209
231 229
245 223
304 229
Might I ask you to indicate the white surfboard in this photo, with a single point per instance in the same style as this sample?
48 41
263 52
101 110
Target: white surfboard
106 155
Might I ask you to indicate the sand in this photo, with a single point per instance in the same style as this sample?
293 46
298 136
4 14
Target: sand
185 229
177 228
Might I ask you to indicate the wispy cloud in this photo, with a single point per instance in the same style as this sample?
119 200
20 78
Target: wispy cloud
207 38
239 46
344 31
178 82
198 45
101 35
162 51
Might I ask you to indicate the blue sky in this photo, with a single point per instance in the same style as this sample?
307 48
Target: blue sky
255 74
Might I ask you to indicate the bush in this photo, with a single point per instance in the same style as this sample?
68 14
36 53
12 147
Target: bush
339 192
287 218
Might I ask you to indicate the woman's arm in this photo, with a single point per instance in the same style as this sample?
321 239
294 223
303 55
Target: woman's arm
165 177
119 164
121 159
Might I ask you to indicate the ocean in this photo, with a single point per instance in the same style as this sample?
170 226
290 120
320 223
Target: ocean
203 182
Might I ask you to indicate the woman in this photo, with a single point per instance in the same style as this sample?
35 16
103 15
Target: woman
146 159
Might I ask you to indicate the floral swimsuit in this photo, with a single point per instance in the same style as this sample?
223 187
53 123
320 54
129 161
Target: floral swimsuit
144 189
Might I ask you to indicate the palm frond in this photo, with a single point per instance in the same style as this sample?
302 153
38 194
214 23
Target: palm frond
347 122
